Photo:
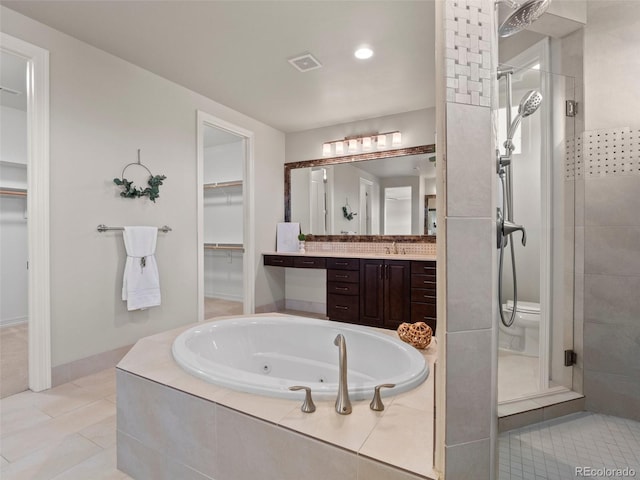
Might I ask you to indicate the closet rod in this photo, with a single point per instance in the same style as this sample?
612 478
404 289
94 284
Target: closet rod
103 228
224 246
14 192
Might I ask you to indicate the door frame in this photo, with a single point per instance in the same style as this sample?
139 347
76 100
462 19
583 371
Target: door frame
39 274
248 260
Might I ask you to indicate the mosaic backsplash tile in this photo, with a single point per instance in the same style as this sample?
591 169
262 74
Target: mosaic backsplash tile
378 248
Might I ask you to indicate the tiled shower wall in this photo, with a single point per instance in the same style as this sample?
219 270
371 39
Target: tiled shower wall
611 208
467 44
612 270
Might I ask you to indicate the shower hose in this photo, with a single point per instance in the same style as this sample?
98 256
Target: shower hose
506 322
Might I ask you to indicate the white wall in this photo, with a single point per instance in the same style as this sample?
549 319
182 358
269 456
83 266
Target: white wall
417 127
102 110
13 136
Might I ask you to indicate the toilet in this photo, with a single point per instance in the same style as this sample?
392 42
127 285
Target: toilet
524 335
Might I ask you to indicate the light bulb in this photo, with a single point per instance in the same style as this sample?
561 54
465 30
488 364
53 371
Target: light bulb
353 145
366 143
326 149
396 139
339 148
382 141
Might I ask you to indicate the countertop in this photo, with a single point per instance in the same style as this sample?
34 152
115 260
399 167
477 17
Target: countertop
384 256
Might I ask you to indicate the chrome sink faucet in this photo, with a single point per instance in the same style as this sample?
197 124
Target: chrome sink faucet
395 248
343 404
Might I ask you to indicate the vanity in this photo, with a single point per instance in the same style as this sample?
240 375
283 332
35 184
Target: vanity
374 290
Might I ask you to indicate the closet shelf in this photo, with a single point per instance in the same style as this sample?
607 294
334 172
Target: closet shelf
13 192
235 183
224 246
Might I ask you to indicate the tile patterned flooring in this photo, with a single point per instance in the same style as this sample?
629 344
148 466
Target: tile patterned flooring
14 361
552 450
65 433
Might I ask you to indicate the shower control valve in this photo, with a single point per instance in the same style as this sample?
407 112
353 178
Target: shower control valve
508 228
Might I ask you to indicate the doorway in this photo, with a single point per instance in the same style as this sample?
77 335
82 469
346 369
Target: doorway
225 231
36 171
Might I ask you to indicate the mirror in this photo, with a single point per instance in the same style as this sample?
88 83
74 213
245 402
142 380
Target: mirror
372 195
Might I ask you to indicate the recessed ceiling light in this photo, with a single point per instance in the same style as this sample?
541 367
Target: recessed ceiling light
363 53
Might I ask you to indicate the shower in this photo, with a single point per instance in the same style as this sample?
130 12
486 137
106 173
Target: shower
523 15
530 102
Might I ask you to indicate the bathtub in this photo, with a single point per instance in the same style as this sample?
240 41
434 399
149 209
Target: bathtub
266 355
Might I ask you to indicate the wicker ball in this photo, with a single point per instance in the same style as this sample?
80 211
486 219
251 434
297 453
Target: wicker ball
417 334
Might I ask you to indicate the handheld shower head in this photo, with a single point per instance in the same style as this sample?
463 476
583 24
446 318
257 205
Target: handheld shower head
528 105
523 15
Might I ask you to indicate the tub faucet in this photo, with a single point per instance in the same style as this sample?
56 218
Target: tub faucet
343 404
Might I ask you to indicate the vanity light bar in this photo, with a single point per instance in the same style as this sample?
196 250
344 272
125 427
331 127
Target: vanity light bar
350 144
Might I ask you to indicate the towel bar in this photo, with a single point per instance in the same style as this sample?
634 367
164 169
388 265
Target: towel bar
103 228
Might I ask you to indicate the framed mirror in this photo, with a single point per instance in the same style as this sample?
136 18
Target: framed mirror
371 197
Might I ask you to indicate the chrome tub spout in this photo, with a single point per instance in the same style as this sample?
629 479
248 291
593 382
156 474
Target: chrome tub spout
343 404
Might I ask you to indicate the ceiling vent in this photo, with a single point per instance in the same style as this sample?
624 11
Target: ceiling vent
305 62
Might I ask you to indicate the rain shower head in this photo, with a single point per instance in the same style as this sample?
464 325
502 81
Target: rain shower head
523 15
528 105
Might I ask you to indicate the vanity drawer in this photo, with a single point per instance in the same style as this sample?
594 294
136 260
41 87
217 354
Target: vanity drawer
345 308
420 311
343 288
309 262
343 263
423 295
426 267
424 312
344 276
278 260
419 280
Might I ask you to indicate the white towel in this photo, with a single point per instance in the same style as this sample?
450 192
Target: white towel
141 282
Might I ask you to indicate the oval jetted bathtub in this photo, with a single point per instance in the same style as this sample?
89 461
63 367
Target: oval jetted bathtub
266 355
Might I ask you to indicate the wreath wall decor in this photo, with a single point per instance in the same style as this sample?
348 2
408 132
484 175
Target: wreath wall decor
131 191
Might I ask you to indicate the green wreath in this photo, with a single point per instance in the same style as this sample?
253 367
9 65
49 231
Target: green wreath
131 191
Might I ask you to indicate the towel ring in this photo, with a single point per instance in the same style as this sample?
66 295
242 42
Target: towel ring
139 163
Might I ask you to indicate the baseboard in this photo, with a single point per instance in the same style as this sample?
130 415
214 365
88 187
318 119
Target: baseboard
86 366
276 306
304 306
10 322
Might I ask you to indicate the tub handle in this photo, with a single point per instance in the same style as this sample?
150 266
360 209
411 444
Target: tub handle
376 404
307 406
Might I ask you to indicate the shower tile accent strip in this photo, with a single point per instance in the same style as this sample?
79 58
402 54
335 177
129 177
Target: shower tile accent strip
611 151
468 51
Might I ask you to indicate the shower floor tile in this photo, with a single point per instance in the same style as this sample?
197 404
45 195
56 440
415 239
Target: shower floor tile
581 445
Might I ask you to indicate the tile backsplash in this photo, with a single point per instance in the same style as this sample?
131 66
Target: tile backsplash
371 248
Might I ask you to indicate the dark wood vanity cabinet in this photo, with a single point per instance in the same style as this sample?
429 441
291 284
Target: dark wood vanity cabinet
343 289
423 293
375 292
385 292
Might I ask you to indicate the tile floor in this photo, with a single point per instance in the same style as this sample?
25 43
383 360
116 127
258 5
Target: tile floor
552 450
14 359
67 432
